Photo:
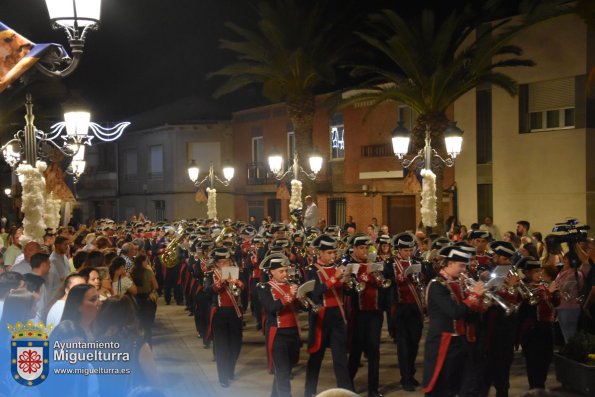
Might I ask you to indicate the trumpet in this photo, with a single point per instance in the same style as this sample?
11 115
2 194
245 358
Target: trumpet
489 297
358 286
420 287
309 304
382 281
235 290
526 293
306 301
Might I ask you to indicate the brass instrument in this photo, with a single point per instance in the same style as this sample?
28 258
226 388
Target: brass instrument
381 280
235 290
170 254
309 304
306 302
526 293
420 287
489 297
358 286
222 233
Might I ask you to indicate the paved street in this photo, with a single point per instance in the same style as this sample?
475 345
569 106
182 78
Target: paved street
187 369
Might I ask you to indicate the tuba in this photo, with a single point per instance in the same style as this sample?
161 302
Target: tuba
170 254
226 230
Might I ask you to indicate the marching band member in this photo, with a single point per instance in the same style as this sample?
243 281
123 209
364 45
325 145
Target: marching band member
328 326
368 305
407 313
482 260
203 300
282 327
384 248
254 265
226 316
536 322
243 256
499 328
449 333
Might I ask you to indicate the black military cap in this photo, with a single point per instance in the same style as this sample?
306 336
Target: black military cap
325 242
440 243
480 234
404 240
274 261
528 263
220 253
503 248
360 239
384 239
455 254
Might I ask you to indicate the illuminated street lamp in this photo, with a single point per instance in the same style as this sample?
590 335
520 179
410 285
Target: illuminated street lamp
76 18
194 172
453 139
27 143
276 166
425 158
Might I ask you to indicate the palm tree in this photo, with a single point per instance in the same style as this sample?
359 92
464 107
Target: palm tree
432 62
293 50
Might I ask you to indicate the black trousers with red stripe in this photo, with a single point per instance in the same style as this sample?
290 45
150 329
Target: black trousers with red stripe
451 374
286 352
366 338
409 323
334 335
227 340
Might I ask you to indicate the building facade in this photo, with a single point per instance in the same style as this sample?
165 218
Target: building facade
531 157
360 176
145 171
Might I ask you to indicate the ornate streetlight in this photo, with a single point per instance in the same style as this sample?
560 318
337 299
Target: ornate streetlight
76 18
193 174
427 157
30 144
276 166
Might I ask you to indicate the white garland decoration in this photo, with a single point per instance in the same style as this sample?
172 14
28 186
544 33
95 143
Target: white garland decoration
295 201
428 198
212 203
33 201
52 211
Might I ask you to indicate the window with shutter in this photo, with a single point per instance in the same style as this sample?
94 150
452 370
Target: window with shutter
550 105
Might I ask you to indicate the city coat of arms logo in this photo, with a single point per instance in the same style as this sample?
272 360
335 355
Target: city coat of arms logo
29 352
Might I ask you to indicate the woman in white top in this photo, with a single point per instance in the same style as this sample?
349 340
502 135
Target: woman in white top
121 283
55 312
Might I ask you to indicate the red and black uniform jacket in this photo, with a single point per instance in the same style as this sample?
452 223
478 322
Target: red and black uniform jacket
281 312
543 312
406 290
221 295
328 294
451 311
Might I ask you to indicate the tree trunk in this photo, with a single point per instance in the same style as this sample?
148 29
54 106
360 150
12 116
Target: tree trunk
301 113
436 123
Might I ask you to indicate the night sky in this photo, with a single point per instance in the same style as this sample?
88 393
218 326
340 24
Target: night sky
148 53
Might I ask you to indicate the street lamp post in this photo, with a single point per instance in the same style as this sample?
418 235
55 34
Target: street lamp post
276 166
427 157
76 18
193 174
27 144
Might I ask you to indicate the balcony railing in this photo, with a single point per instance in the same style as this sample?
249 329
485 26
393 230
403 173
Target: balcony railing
382 150
258 174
